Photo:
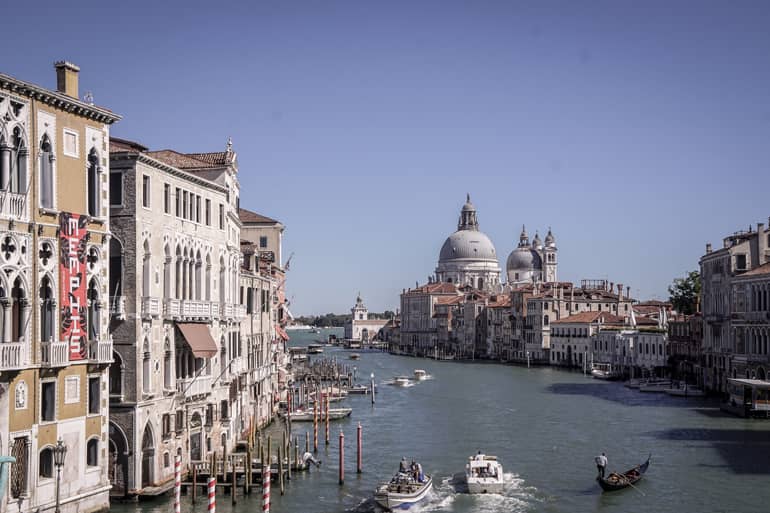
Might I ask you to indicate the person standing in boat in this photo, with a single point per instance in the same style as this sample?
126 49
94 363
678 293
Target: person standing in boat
601 464
404 467
420 475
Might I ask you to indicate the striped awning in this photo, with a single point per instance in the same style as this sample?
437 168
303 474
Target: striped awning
199 339
281 333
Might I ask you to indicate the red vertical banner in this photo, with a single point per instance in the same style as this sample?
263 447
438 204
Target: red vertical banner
73 237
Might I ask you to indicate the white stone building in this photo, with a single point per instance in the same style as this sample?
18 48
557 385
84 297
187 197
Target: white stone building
361 328
532 263
571 337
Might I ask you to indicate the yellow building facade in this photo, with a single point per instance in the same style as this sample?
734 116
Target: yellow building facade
54 300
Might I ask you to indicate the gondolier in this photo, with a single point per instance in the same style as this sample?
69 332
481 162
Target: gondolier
601 464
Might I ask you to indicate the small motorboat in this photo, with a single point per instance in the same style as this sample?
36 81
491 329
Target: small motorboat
401 381
484 474
616 481
604 371
403 491
307 415
355 356
633 383
315 349
657 386
361 389
686 391
420 375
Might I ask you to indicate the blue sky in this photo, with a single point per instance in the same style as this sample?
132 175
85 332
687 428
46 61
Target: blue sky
639 131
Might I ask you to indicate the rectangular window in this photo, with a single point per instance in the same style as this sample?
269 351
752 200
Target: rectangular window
224 413
166 426
197 209
208 212
71 143
94 385
116 189
166 198
263 242
740 262
209 415
178 202
146 191
179 421
184 204
221 216
48 401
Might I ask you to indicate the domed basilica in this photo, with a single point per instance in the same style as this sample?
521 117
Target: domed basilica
468 257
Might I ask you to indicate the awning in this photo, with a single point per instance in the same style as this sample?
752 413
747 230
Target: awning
281 333
199 339
759 384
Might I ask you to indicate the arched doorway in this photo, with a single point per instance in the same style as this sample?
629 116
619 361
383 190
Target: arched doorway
148 457
365 335
118 461
761 374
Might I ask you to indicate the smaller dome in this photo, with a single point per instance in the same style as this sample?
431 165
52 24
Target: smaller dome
524 259
468 207
536 242
550 241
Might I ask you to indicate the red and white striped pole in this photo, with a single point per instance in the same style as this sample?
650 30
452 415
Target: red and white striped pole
359 456
266 485
177 484
212 489
327 421
315 425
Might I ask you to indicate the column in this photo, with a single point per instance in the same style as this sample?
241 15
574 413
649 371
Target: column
5 167
7 320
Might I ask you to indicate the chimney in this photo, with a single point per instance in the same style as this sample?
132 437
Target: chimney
67 78
620 291
761 243
708 248
628 292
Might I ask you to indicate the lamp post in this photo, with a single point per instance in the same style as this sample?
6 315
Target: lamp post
59 452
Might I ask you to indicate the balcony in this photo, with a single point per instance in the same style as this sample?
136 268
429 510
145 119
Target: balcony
13 356
193 387
54 354
240 311
189 309
118 307
196 309
228 310
150 307
172 307
13 205
215 310
100 351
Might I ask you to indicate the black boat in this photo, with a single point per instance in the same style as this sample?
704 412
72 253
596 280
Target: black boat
616 481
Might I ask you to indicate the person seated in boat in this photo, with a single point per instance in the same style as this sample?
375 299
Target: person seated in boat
420 475
404 467
479 456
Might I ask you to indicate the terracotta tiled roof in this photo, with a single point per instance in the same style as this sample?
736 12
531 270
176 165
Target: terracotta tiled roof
642 320
119 145
449 300
217 158
757 271
178 160
589 317
502 301
247 216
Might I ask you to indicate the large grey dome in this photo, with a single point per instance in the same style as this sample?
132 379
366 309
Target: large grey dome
524 259
471 244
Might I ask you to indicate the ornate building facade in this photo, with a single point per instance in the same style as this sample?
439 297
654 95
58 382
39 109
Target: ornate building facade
361 328
54 254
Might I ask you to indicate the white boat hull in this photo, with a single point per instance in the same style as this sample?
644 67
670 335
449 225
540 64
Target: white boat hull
686 392
393 500
485 485
307 416
484 474
657 388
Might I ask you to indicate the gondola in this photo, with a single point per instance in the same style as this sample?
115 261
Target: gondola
615 481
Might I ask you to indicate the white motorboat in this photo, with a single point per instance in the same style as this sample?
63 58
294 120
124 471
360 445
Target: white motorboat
401 381
686 391
420 375
657 386
315 349
355 356
403 491
604 371
633 383
484 474
307 415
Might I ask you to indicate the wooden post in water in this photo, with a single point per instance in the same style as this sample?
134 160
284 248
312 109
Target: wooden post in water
213 464
247 473
232 478
307 441
280 469
269 449
194 480
265 484
359 454
315 425
287 452
327 421
342 458
296 453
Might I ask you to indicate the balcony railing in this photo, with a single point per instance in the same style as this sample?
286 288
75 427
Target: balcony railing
193 387
228 310
118 307
240 311
13 205
172 307
13 355
215 310
192 308
150 307
100 351
54 353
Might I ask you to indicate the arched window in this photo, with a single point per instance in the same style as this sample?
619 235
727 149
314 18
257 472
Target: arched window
146 270
178 273
18 171
166 272
19 298
198 276
208 277
93 183
45 466
93 310
47 308
116 376
167 357
116 267
545 320
47 160
146 367
222 273
92 453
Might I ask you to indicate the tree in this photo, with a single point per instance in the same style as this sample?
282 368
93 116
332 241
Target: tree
685 293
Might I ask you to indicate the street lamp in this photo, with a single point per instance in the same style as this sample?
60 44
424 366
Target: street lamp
59 452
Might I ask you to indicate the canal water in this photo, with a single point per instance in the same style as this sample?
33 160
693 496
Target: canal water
544 425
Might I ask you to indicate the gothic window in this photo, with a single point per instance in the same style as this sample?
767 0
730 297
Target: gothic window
167 272
19 300
93 183
116 267
167 357
47 310
116 376
94 395
146 367
14 164
93 310
146 270
222 281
